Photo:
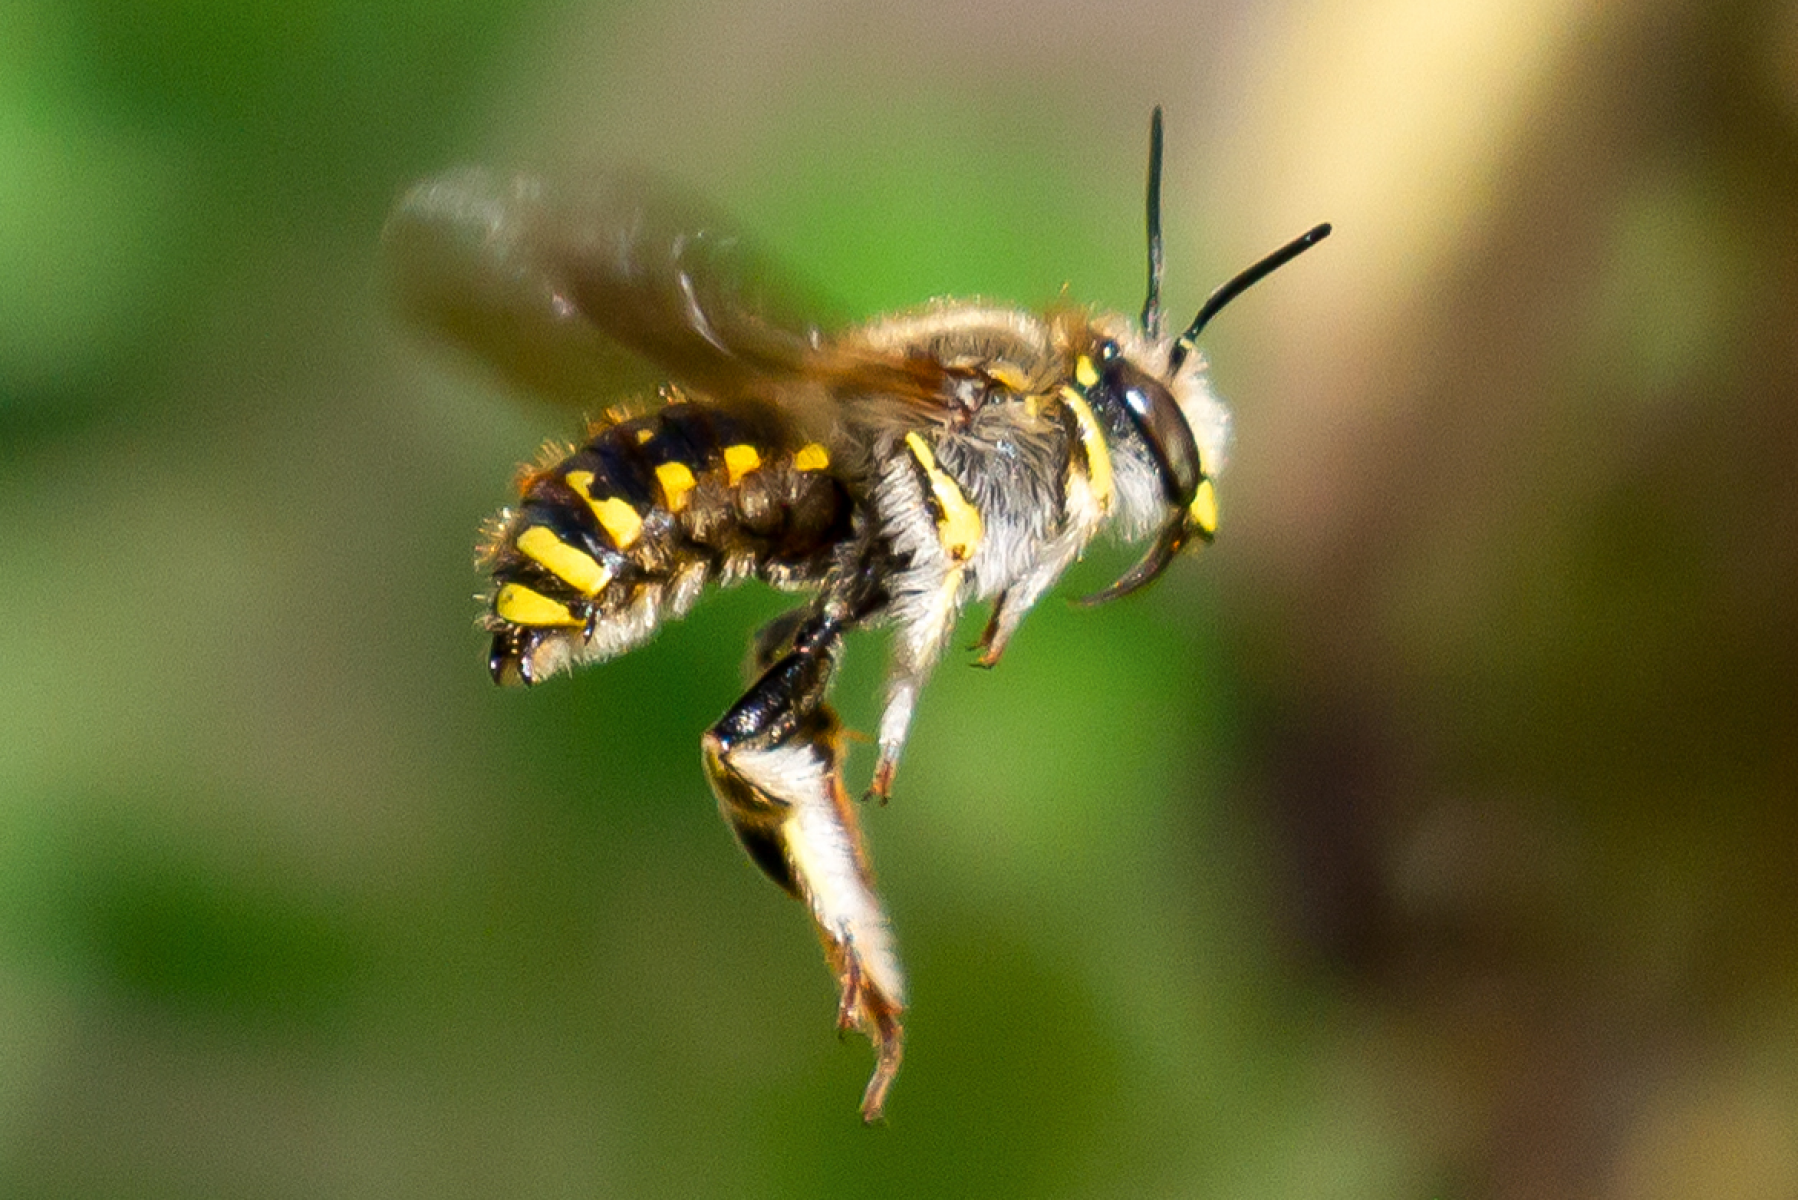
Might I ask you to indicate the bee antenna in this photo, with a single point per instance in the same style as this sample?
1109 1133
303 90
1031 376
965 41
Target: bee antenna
1151 306
1243 281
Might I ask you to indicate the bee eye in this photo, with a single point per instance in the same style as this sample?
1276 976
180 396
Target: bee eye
1163 426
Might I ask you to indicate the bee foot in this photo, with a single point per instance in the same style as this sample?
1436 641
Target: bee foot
849 1002
882 785
864 1006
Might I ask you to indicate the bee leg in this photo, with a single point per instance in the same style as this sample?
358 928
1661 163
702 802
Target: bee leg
938 531
895 726
775 762
924 617
1013 604
1004 621
918 644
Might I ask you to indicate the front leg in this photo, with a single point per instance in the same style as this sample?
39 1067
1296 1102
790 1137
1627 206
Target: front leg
937 531
775 762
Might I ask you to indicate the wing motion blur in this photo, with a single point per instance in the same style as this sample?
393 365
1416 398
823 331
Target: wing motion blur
595 292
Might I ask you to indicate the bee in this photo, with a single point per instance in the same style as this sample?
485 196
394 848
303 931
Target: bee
890 474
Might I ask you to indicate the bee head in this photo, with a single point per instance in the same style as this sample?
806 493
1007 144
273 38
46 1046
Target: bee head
1184 463
1178 447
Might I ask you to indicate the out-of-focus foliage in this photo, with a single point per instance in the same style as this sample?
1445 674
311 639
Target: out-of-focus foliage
1432 836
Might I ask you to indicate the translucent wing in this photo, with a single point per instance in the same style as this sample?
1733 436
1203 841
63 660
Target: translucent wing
595 291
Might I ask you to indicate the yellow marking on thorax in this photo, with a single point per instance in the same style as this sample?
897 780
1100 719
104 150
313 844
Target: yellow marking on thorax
1092 440
1203 509
1085 372
620 521
811 457
676 480
959 528
521 606
740 460
1007 376
574 567
644 435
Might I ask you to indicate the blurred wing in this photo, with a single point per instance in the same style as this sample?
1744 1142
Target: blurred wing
592 293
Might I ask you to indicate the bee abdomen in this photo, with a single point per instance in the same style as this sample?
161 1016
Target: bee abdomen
627 531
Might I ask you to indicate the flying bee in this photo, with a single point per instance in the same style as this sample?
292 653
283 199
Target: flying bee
890 473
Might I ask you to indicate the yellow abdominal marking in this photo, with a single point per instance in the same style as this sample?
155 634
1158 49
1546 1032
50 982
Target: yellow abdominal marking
622 524
959 528
521 606
676 481
739 461
617 518
574 567
811 457
1203 509
1085 372
1092 440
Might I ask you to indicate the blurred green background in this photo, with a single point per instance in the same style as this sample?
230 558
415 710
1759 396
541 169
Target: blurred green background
1433 836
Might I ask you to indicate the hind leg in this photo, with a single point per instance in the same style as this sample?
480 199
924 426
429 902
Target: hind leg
775 762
